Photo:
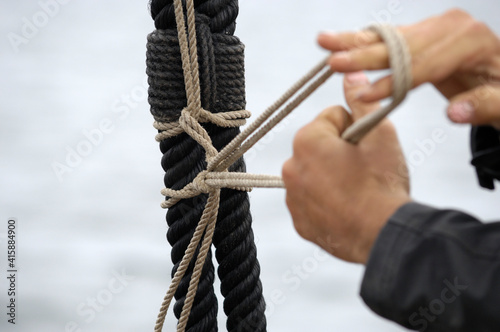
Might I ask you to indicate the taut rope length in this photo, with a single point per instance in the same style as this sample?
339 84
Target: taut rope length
216 175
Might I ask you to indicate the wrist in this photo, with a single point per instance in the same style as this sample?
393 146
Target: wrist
372 222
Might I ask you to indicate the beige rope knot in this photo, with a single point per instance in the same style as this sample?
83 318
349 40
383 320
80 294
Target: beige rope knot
167 130
200 184
194 129
225 119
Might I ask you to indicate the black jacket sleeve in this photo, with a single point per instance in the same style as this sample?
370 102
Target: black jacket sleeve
485 148
435 270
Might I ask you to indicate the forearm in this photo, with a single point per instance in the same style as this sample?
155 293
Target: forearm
435 270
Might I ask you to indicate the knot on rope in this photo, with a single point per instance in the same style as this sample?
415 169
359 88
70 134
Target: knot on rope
226 120
207 182
200 184
189 123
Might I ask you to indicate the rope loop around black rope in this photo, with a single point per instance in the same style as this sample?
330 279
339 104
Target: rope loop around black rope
221 69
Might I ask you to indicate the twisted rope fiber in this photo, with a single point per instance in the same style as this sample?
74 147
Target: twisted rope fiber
184 159
400 63
233 150
188 121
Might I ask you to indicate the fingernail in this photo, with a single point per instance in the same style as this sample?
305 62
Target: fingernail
461 112
357 78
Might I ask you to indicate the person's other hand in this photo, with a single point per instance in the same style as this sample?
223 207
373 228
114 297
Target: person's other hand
338 194
453 51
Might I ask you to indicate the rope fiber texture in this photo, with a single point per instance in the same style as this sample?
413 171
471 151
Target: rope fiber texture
221 82
214 174
400 62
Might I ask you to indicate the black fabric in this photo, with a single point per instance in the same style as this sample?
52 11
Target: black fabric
435 270
221 64
221 13
485 146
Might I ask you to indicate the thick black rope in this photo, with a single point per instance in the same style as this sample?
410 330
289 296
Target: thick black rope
221 63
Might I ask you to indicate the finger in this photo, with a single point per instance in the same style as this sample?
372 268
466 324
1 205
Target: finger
430 42
477 107
344 41
357 46
451 87
434 66
326 127
378 90
370 52
334 119
383 88
371 57
347 40
354 83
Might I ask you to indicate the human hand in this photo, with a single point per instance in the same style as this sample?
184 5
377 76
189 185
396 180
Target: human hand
453 51
337 193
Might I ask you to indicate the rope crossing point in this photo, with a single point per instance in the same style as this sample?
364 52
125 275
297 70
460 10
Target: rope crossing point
222 83
216 176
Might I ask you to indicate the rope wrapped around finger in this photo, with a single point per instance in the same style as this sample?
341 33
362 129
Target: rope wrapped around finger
400 62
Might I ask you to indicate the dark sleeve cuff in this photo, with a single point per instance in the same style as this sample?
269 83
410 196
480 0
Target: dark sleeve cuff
435 270
385 259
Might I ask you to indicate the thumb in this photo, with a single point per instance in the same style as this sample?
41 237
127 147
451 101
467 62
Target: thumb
480 106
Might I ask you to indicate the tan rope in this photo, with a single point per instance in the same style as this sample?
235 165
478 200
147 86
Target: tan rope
188 122
186 259
400 62
216 176
238 146
211 209
225 119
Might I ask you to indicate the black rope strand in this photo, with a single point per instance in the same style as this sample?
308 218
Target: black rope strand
222 14
182 159
222 82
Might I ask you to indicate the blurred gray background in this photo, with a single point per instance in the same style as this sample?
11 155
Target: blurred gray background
92 253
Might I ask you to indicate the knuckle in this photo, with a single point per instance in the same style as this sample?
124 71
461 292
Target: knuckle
387 127
303 139
457 14
301 228
469 24
477 28
368 58
335 116
299 222
364 38
288 172
488 41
